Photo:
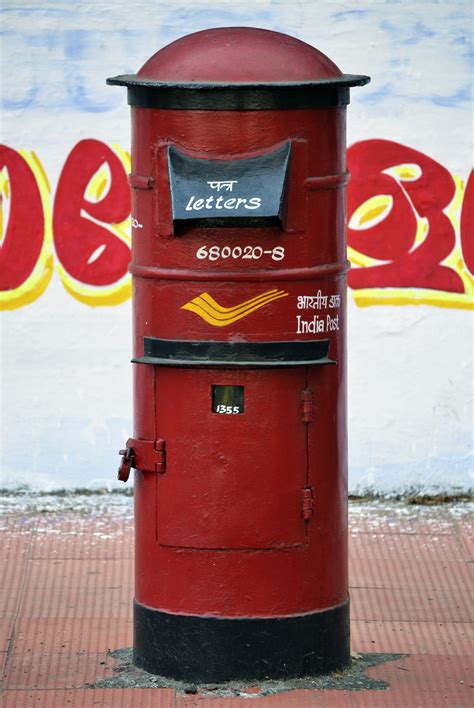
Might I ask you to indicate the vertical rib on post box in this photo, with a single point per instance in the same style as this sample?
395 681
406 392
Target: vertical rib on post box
239 271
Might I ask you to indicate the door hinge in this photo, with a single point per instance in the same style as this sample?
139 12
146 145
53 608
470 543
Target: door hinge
307 503
307 410
145 455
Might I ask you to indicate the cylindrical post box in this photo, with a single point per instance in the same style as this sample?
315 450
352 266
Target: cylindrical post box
239 290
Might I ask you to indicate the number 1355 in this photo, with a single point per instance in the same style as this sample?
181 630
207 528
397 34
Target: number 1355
229 410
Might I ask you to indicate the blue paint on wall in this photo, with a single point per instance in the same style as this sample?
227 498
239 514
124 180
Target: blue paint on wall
407 33
202 17
45 11
348 15
72 54
378 94
82 99
19 103
73 83
76 44
61 68
419 32
459 97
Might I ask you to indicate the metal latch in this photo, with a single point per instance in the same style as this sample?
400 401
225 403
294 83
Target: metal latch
140 182
145 455
308 503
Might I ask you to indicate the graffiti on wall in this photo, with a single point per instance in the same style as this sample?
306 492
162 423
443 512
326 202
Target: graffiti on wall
410 227
83 233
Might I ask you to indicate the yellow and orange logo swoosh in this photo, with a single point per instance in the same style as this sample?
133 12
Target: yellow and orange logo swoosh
214 314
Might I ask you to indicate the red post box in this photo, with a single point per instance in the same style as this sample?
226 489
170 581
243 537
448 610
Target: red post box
239 289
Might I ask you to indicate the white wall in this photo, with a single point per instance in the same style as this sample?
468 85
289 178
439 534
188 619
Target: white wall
66 377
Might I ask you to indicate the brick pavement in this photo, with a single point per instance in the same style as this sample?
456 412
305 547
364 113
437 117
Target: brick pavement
67 586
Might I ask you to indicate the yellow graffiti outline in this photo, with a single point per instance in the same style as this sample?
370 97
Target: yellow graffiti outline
412 296
35 285
121 291
368 297
369 211
214 314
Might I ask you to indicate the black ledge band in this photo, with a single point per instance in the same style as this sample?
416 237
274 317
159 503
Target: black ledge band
211 649
171 352
330 93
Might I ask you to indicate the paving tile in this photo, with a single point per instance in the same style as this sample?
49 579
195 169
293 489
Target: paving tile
79 602
11 586
433 680
67 588
402 547
387 518
42 671
15 545
292 699
15 533
378 699
394 573
86 698
6 630
467 540
410 604
70 536
286 699
68 573
402 699
72 635
449 638
3 658
443 674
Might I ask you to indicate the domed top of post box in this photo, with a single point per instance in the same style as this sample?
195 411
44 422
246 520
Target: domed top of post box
238 68
238 55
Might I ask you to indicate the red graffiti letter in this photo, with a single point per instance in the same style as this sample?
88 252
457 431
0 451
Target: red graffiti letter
87 249
467 224
421 188
24 235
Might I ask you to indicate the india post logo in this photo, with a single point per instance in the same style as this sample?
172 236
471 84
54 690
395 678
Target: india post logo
214 314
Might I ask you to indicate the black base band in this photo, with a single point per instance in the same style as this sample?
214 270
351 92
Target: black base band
210 649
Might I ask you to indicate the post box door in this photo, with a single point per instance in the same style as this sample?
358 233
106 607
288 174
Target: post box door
236 458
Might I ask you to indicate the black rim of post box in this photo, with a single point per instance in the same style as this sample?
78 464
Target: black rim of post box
326 93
